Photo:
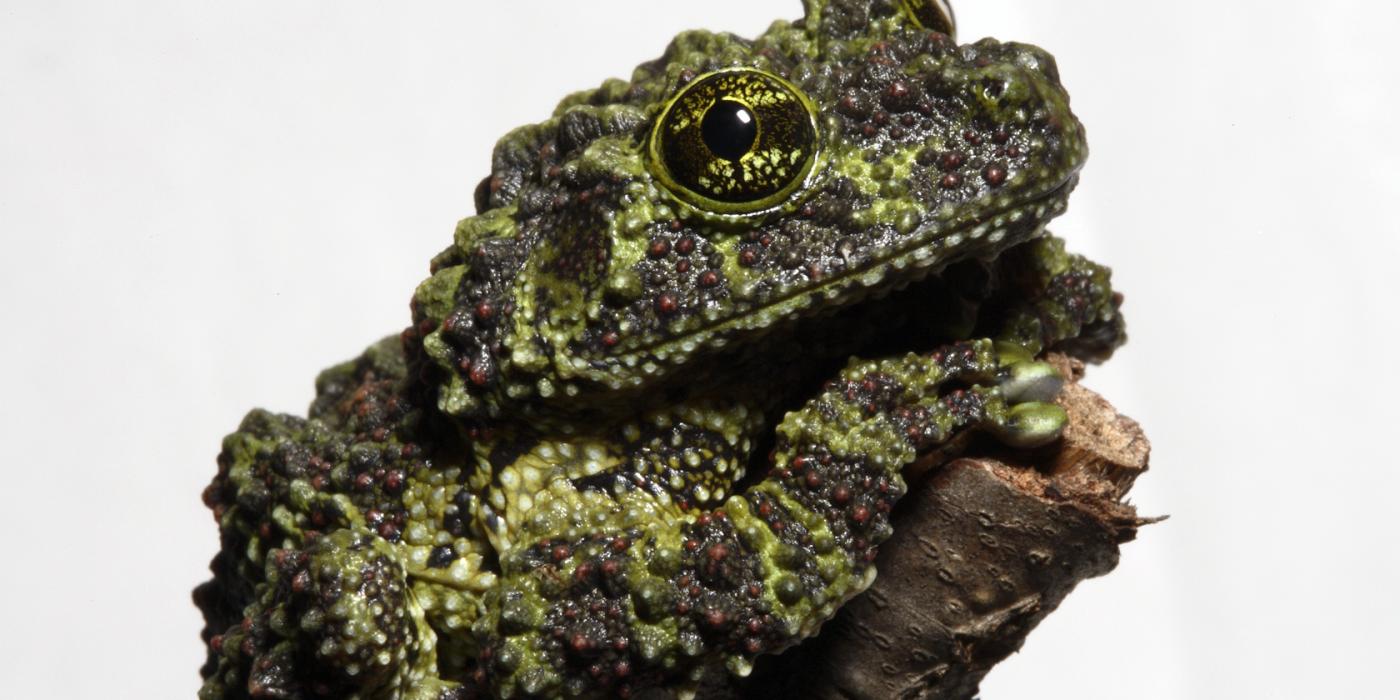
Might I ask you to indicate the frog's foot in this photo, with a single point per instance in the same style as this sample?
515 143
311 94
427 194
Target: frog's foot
1059 301
1028 387
336 619
610 594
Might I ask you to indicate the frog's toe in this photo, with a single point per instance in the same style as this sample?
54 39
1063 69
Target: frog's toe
1030 424
1029 387
1031 381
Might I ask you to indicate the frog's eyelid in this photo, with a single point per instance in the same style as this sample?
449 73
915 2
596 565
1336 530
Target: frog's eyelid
935 15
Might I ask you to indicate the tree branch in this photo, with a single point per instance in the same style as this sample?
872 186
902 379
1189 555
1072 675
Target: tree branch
984 548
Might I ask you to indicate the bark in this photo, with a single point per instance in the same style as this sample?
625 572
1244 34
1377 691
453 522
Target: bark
985 547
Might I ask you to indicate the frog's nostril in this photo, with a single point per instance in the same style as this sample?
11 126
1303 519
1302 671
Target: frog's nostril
992 88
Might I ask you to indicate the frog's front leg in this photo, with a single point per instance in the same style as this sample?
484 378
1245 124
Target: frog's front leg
627 589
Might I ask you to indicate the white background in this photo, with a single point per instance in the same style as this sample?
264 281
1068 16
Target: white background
203 204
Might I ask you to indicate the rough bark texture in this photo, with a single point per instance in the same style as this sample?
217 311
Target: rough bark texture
984 548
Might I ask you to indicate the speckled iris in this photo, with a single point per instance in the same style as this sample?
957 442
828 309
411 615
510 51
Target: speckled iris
735 141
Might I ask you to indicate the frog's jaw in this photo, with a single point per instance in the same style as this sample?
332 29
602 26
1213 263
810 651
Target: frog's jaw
936 245
969 237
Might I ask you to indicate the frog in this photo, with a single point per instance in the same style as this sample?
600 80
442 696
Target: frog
652 413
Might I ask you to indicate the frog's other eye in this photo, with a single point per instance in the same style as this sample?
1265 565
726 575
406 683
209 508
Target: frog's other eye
735 141
935 15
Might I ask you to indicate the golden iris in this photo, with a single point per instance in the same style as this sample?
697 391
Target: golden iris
735 141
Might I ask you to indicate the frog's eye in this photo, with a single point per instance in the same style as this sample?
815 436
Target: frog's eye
936 15
735 141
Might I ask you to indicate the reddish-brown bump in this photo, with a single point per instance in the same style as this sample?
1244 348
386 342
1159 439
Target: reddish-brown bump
666 303
994 174
479 376
716 618
583 572
393 481
717 552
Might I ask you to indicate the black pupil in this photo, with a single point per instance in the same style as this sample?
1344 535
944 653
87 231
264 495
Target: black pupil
729 129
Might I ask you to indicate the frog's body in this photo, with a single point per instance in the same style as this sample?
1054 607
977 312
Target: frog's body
617 444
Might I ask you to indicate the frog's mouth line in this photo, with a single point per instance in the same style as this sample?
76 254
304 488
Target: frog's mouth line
1024 221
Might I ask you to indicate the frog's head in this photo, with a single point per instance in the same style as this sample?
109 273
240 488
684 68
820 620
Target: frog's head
732 185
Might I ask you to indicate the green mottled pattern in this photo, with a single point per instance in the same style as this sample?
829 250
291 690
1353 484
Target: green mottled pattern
988 155
636 430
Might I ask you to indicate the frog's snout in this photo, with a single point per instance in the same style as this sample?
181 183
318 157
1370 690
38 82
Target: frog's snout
1035 59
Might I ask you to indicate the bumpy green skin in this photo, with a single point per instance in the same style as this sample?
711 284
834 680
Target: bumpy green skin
618 444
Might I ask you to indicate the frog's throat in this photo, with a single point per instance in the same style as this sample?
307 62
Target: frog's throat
984 234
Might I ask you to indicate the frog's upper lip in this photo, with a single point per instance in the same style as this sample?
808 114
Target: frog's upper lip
914 261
